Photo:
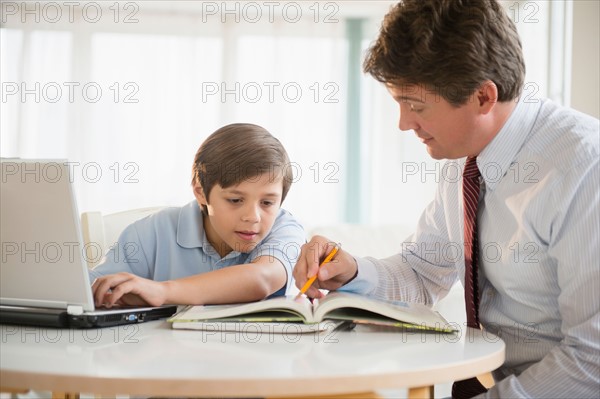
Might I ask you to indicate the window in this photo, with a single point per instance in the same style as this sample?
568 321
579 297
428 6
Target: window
127 91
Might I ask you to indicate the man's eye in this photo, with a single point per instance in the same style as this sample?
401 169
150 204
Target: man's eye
416 109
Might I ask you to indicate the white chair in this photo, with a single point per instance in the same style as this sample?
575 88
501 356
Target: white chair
378 241
100 232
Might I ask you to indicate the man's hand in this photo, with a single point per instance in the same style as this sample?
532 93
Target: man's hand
128 289
332 275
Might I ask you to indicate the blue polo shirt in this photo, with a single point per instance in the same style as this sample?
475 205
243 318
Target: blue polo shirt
172 244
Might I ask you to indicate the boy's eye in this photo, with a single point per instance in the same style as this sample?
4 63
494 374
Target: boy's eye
234 200
268 203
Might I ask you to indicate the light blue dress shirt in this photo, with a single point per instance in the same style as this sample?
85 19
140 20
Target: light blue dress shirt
539 237
172 244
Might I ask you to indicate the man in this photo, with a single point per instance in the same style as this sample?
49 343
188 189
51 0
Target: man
524 211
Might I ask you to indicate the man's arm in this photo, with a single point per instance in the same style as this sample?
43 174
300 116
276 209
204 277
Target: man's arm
332 275
419 273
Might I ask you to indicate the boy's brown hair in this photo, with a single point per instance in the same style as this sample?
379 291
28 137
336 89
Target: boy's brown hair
240 152
451 47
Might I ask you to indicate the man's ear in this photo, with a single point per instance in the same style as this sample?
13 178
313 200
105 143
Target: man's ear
199 194
487 96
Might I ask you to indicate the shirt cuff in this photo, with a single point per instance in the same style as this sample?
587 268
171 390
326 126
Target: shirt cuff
93 276
366 280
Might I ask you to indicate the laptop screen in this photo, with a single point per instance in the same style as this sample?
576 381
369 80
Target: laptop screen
42 249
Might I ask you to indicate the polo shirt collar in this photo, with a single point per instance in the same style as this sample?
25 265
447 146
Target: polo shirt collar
190 227
191 233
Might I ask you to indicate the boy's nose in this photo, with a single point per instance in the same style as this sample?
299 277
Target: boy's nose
251 214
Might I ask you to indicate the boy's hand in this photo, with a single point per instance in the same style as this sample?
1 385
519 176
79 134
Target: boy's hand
332 275
127 289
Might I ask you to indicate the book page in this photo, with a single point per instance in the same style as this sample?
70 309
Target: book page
347 306
275 309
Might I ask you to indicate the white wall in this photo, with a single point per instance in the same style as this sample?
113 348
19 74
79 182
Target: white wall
585 84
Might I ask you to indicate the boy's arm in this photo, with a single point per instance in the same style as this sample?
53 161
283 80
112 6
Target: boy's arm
269 271
126 255
240 283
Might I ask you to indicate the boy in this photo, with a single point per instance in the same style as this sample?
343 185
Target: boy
232 244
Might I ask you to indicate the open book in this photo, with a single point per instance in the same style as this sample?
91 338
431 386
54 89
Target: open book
336 306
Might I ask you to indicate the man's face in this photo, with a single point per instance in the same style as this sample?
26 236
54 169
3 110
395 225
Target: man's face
447 131
241 216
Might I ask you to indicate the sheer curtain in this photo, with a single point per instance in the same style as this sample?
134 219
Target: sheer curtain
128 93
128 102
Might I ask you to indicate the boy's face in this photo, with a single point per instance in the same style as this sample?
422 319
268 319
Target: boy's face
447 131
241 216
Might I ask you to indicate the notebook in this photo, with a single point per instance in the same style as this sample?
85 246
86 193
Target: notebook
44 278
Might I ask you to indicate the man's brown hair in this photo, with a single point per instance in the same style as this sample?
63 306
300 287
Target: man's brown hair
239 152
451 47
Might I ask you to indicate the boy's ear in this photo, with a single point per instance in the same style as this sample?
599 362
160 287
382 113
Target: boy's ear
199 194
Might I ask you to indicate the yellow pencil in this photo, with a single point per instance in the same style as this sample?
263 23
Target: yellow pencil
313 278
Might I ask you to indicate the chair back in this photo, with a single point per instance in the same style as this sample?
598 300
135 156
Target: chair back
378 241
100 232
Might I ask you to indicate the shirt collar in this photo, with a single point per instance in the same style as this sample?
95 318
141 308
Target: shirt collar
190 227
497 157
191 233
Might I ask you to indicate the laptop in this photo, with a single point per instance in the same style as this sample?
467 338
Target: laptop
44 278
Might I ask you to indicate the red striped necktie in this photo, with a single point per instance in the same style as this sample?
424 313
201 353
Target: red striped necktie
470 201
470 387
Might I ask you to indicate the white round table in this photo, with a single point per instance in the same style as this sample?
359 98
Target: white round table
152 359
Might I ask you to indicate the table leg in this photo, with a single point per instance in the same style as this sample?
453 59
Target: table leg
13 392
65 395
486 380
420 392
362 395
